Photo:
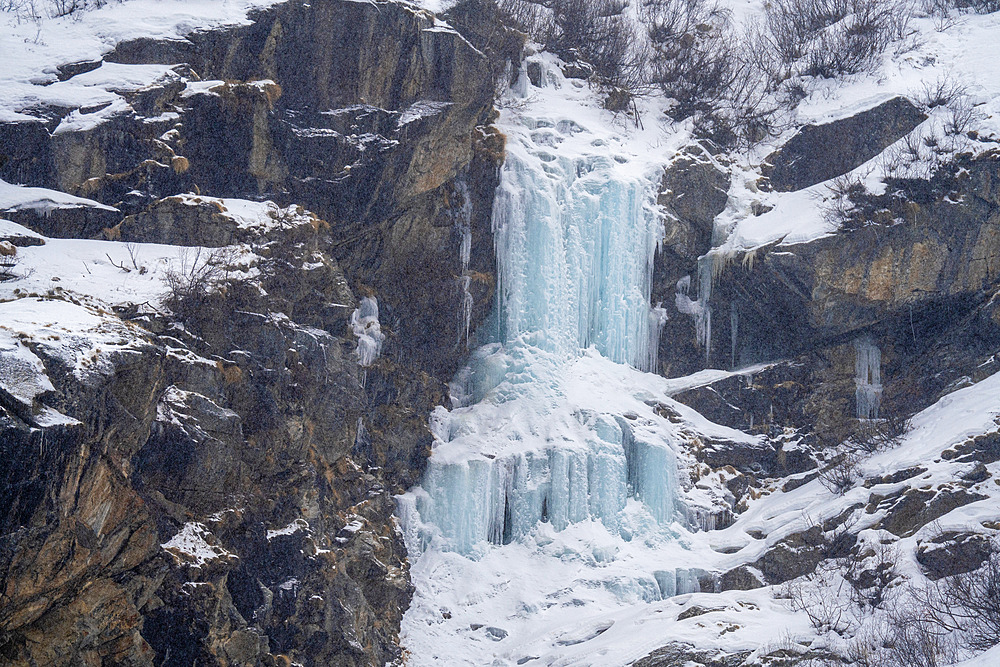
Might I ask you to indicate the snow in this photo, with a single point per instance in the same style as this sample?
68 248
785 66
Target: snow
81 337
80 121
553 526
292 528
963 52
22 374
258 217
960 415
420 110
20 198
34 49
101 273
190 546
10 229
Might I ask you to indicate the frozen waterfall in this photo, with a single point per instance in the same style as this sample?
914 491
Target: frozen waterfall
867 378
575 238
575 235
553 481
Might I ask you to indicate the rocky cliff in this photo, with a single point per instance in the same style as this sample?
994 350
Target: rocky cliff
210 482
839 341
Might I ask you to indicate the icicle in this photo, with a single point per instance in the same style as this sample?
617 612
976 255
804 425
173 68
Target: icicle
463 219
362 443
697 308
867 378
521 85
366 327
466 310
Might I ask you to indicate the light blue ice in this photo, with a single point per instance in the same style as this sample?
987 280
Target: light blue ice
575 240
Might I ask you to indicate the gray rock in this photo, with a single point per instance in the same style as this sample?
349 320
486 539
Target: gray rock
820 152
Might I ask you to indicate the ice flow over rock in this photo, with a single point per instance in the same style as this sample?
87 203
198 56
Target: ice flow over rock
575 235
554 493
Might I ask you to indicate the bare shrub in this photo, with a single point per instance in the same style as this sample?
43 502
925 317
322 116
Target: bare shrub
943 91
934 625
529 17
819 597
719 77
843 192
911 639
36 10
747 112
962 114
871 573
875 435
840 475
199 276
793 23
8 263
691 54
970 604
941 8
829 38
599 33
918 156
982 6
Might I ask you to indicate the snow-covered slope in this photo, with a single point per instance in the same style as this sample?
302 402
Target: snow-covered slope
957 54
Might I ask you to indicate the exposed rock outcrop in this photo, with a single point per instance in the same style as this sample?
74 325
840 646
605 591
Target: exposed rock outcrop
820 152
921 289
221 492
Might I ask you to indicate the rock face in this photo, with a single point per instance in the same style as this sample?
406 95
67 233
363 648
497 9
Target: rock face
385 136
219 490
900 304
916 278
820 152
693 191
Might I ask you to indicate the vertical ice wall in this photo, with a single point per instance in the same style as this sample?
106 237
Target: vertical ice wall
575 239
575 233
867 378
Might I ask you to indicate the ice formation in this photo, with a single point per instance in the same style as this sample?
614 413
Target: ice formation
575 237
365 324
554 451
464 227
867 378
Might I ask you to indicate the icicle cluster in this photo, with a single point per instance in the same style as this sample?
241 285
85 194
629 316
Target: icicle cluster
867 378
499 500
575 242
365 324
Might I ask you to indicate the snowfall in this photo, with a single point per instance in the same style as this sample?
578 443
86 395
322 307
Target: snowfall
561 520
